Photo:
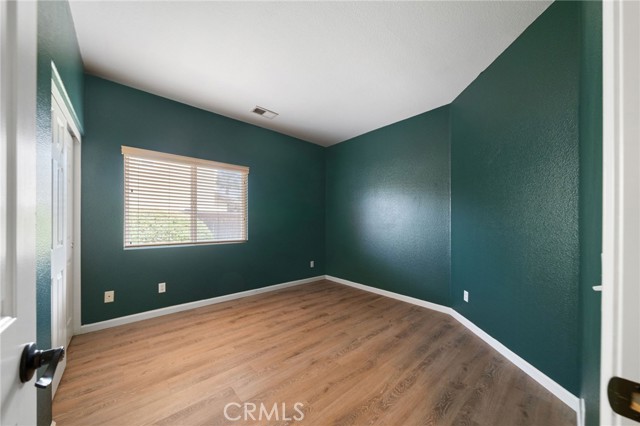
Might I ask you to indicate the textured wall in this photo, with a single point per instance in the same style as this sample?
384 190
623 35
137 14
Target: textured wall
56 42
514 166
286 205
591 204
388 208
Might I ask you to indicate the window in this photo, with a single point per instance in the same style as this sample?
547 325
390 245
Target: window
170 200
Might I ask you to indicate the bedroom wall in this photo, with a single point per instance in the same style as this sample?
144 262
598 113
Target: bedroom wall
286 205
515 169
387 208
56 42
519 180
591 206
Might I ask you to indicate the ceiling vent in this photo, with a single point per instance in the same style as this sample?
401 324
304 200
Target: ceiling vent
264 112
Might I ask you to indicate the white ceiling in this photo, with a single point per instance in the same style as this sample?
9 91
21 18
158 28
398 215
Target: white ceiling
332 70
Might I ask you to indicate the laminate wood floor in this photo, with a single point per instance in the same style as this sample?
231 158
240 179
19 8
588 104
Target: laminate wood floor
348 356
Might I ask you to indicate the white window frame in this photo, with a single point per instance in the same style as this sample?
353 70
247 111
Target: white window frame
194 163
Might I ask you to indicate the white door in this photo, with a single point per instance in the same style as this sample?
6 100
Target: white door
17 206
621 210
61 193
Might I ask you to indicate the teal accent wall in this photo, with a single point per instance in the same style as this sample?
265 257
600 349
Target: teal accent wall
56 42
524 179
387 208
591 205
286 205
515 167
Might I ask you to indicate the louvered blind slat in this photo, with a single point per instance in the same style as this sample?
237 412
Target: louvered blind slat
171 199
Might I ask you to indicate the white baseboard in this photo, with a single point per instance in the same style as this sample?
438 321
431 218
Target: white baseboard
88 328
564 395
402 297
582 413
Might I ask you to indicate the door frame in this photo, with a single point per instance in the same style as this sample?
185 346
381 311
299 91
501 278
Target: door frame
621 153
59 92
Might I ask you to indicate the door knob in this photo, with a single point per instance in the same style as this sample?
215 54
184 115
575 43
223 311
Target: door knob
33 358
624 397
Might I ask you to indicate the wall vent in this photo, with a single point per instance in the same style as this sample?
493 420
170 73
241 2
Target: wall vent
264 112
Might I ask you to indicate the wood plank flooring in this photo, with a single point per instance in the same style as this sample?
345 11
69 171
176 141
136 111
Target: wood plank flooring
349 357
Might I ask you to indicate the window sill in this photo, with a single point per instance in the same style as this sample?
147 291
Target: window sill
154 246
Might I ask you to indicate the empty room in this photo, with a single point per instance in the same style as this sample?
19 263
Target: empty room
320 213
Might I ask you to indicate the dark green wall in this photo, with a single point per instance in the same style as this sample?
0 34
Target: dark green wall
286 205
56 42
591 205
526 179
387 208
514 178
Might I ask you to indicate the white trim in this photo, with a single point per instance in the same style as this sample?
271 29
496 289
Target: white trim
561 393
147 154
64 109
552 386
609 199
56 82
620 202
188 306
18 190
59 95
582 412
564 395
77 237
392 295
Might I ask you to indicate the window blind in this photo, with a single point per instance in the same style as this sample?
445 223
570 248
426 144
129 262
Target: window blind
171 199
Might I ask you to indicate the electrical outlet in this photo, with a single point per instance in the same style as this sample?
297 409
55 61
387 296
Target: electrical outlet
109 296
162 287
312 264
466 296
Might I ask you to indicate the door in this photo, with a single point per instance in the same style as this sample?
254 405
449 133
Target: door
621 213
17 206
61 193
